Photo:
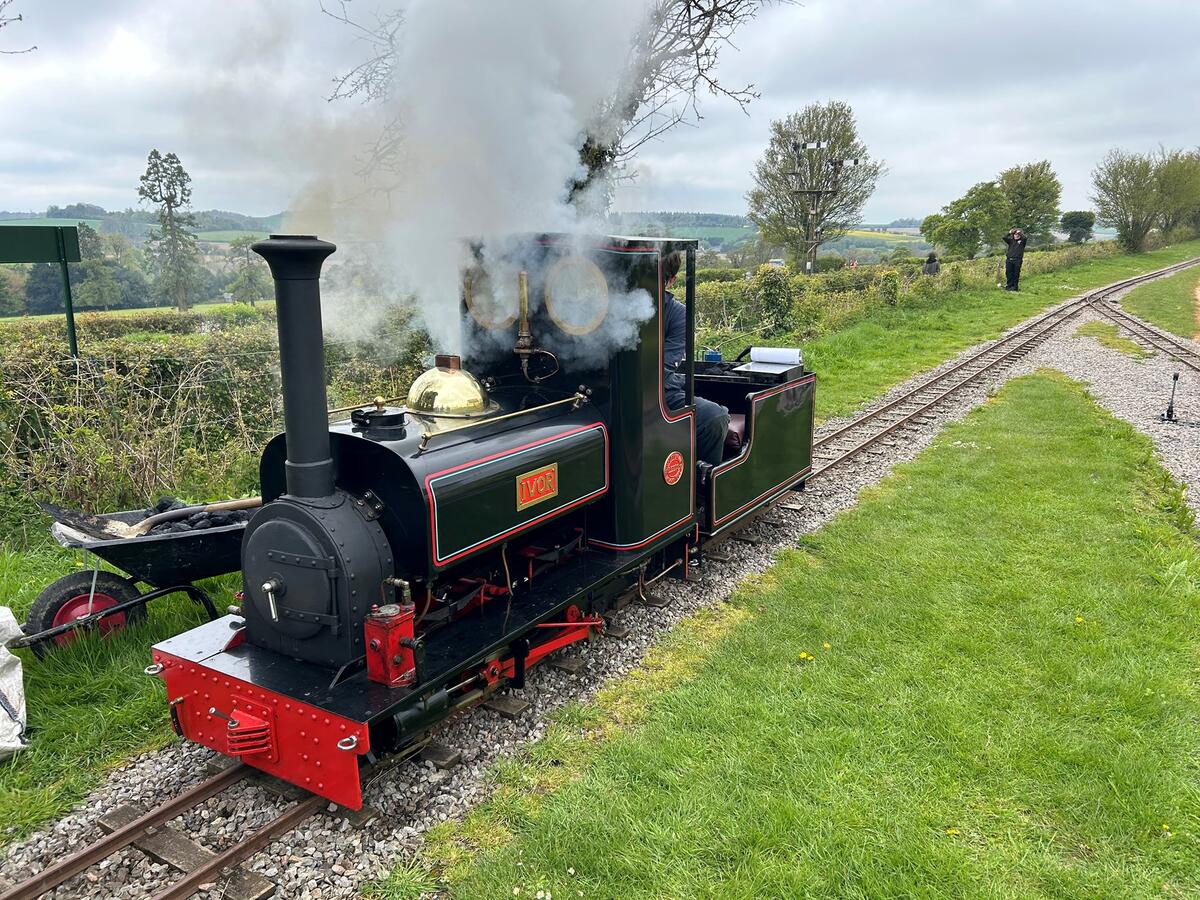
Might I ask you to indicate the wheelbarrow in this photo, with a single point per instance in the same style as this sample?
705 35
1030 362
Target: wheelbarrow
94 598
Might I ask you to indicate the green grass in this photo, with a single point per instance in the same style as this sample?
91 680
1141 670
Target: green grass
980 682
90 705
891 344
198 307
1108 335
1169 303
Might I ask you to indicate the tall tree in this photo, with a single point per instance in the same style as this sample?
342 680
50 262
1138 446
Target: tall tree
1078 225
672 61
251 281
90 246
979 218
118 248
800 203
12 300
43 288
99 288
1032 192
1177 185
1126 196
172 247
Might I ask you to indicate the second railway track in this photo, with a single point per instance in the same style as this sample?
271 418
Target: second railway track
911 407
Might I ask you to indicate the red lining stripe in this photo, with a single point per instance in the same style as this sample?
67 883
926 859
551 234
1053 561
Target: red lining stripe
733 463
762 497
440 562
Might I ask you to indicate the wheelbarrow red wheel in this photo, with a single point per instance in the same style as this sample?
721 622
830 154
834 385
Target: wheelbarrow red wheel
71 598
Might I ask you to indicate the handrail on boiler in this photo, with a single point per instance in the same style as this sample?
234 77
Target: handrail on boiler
577 400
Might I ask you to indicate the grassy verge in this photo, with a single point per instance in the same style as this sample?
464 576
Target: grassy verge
892 344
1169 303
1109 336
979 682
90 705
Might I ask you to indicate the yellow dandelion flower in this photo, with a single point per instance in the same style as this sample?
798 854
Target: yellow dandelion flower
1079 619
953 832
827 645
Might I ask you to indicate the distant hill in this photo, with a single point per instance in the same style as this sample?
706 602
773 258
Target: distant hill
715 230
211 224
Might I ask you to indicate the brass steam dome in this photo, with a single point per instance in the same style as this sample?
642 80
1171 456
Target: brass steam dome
448 390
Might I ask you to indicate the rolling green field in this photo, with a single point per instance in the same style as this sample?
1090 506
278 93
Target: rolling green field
712 233
919 701
224 237
888 236
1170 303
93 223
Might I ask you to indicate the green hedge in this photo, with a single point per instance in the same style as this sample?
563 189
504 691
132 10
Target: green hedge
704 276
774 300
180 404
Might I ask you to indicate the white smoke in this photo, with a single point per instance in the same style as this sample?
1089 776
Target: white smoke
491 103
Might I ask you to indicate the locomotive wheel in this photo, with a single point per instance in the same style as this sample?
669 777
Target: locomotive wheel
70 598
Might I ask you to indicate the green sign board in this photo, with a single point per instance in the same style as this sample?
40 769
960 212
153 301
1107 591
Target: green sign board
39 243
45 244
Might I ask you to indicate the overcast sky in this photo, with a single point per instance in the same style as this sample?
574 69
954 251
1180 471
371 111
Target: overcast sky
947 93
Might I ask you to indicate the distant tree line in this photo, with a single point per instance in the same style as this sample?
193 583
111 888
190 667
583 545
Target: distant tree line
135 221
679 220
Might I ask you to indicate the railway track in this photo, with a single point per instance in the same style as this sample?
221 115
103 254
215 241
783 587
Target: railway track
217 865
1154 337
913 406
65 869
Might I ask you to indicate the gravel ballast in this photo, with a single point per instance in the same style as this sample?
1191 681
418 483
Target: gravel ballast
328 857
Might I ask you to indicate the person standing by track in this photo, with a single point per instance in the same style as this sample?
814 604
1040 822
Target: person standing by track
1013 258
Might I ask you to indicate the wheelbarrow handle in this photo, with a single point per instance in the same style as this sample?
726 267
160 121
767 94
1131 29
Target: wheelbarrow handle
184 511
195 593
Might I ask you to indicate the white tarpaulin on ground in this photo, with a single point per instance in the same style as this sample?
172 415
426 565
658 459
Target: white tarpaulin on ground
12 689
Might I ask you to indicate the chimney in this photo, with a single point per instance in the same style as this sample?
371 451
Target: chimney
295 261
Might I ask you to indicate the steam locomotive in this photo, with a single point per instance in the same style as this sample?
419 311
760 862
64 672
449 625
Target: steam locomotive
411 560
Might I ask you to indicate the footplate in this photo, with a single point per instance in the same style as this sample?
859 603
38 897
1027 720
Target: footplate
321 752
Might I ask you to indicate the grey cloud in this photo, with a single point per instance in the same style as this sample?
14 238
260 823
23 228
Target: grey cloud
948 92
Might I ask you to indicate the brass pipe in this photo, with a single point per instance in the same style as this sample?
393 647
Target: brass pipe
378 403
524 335
577 399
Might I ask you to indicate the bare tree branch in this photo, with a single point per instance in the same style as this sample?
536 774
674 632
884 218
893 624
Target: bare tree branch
672 62
7 19
370 79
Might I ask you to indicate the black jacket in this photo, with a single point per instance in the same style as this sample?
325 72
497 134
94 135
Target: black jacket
1016 247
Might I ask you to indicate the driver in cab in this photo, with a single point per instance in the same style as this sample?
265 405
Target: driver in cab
712 419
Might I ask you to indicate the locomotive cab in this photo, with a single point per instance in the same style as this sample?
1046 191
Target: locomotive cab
409 561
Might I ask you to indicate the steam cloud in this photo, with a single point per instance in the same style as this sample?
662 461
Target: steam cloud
492 101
